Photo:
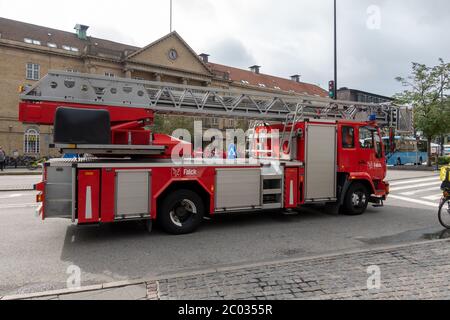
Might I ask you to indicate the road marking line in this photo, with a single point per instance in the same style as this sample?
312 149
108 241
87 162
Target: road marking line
414 181
426 203
433 198
411 193
417 186
14 206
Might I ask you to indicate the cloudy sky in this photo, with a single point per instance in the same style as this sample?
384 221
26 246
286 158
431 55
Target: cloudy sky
378 39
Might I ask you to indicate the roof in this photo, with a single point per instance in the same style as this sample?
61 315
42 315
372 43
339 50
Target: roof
18 31
260 80
176 35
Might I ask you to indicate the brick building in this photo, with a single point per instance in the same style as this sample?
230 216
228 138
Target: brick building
28 51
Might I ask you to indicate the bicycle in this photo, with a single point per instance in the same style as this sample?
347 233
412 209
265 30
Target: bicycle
444 208
36 164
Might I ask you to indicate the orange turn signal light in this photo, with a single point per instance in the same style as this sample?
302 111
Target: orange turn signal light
40 198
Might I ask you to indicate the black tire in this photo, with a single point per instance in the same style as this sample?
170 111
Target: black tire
181 212
444 213
356 200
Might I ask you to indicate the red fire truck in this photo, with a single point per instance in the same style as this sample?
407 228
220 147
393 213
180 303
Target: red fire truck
326 155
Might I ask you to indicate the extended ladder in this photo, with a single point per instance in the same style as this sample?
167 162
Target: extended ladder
169 98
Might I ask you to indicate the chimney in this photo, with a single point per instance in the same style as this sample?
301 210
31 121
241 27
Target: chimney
204 57
255 69
296 78
81 31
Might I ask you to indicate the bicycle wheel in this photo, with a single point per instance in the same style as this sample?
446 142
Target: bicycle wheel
444 213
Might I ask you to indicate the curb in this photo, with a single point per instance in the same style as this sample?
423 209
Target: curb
17 190
121 284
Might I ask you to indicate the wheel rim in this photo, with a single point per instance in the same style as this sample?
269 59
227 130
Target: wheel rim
359 199
444 214
182 212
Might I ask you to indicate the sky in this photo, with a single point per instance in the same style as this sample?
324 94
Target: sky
377 39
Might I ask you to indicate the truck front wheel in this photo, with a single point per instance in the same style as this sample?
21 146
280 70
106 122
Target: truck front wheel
356 200
181 212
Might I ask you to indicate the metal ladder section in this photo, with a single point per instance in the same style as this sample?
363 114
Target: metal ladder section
170 98
291 120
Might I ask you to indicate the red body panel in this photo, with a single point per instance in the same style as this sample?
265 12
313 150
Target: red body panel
44 112
88 196
107 196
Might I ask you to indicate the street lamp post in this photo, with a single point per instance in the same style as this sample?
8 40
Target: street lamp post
171 8
335 52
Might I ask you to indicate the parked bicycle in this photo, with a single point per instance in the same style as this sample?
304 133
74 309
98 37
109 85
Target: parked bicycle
36 164
444 206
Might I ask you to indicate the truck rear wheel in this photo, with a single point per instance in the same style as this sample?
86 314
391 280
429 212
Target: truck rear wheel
356 200
181 212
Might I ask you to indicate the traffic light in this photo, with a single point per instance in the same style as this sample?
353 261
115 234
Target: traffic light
332 90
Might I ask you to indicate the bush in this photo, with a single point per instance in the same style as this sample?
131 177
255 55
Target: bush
444 161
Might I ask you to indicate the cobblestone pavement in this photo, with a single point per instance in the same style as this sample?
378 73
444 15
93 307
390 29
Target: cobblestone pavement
410 272
413 272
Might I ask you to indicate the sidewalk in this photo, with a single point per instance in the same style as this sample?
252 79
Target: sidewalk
410 272
20 172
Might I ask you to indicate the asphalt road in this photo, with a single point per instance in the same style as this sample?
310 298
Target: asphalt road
35 255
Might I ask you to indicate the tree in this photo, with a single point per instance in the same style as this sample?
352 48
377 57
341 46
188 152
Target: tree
426 93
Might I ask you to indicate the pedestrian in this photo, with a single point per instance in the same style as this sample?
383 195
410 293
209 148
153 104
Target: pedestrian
2 158
16 158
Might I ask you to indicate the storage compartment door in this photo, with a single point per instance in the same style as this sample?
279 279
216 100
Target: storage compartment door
59 192
132 194
321 164
238 189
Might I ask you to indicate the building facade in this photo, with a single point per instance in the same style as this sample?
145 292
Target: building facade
347 94
28 52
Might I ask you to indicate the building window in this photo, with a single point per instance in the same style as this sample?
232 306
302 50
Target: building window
108 74
32 41
31 141
52 45
33 71
66 47
231 123
215 121
72 70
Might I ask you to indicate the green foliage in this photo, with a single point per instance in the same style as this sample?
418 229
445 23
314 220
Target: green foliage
426 92
168 124
443 161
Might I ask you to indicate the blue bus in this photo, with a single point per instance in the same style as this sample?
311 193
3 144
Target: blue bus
407 150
